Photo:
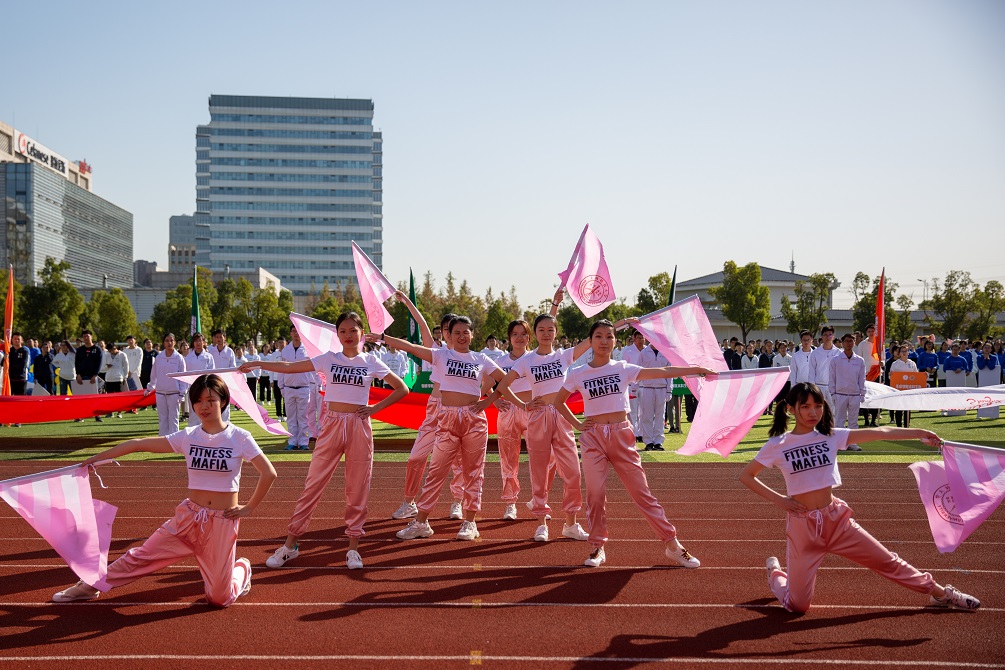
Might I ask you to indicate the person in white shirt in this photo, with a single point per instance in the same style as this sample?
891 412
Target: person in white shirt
168 389
873 369
652 399
135 356
492 349
847 383
277 378
223 358
251 355
631 354
396 361
116 371
198 358
66 363
750 360
296 393
902 363
820 363
799 366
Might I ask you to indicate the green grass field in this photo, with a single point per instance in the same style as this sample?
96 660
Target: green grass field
71 441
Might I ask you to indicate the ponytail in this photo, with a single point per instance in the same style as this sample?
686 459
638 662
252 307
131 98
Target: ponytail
780 422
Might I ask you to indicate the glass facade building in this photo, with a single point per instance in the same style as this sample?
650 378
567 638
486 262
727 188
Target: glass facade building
286 184
45 214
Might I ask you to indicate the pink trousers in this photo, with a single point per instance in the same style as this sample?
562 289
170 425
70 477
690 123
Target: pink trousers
461 433
421 449
512 425
608 446
341 433
550 439
832 530
193 531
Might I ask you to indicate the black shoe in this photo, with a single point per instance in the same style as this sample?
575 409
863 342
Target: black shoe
638 438
649 447
98 418
657 447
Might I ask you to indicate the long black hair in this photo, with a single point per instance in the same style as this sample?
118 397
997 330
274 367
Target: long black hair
798 395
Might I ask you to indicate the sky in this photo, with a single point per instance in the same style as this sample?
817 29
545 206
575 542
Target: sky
851 136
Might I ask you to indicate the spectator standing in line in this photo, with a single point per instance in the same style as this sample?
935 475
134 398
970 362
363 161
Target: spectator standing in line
864 349
264 379
632 354
767 355
149 354
943 354
251 355
104 359
296 393
492 349
117 371
277 378
198 358
42 369
820 363
19 357
223 357
799 367
846 380
397 361
89 360
928 361
988 374
782 359
652 400
134 355
902 363
65 363
750 360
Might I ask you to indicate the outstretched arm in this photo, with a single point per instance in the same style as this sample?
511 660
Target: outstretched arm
154 445
861 435
425 353
669 371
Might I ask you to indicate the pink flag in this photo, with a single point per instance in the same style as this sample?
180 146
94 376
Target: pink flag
58 504
682 333
319 337
587 278
374 289
240 395
948 528
731 402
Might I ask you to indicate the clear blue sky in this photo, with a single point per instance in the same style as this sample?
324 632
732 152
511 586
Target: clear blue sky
854 134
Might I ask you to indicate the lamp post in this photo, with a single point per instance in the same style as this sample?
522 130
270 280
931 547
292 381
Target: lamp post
924 283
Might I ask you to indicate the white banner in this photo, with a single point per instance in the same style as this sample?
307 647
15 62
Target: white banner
878 396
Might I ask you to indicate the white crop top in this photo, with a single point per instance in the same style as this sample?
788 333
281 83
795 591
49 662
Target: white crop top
428 367
348 379
807 462
214 461
604 388
545 373
506 363
461 373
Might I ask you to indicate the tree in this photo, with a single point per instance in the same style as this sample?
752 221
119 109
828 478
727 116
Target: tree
110 315
242 324
655 296
261 314
812 303
988 303
864 309
951 303
742 299
898 324
53 309
174 314
222 308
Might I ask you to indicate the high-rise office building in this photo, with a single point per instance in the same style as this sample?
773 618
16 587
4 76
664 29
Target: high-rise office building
287 184
48 210
181 243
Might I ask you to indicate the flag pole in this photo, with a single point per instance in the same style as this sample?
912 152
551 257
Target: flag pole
975 447
48 473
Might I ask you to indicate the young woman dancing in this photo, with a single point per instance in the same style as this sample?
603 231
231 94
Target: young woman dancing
345 431
818 523
608 440
461 427
205 524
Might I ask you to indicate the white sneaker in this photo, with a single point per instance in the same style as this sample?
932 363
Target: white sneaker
468 531
510 513
455 510
575 532
771 565
414 530
282 555
854 447
79 591
596 559
953 599
681 556
541 534
530 506
353 560
246 584
406 511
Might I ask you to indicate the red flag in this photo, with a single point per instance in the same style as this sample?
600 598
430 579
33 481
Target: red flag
879 335
8 329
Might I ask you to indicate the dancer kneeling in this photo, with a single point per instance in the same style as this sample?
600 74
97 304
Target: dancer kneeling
817 523
205 524
344 431
608 440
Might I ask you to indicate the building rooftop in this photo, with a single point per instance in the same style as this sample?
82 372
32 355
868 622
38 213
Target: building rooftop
767 275
276 102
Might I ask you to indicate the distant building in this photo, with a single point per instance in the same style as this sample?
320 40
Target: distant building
287 184
181 243
49 210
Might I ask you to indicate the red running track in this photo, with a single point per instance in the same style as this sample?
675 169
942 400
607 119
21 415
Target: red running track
506 601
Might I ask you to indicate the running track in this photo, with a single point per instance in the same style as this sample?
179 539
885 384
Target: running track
506 601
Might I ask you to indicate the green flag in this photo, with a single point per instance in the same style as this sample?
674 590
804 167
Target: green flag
414 363
196 319
673 288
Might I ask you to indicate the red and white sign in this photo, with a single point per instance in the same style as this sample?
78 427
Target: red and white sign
39 153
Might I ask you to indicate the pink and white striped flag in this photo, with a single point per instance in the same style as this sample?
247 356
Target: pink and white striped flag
731 402
682 333
319 337
240 395
374 288
587 278
59 506
960 493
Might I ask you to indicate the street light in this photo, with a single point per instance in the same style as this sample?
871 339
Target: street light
924 282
